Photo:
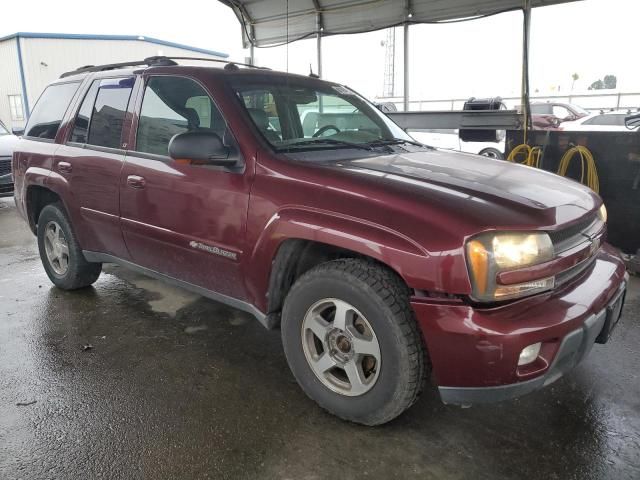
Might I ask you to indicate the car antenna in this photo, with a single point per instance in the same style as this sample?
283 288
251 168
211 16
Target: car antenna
311 74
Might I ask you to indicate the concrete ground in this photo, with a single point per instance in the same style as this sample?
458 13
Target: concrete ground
177 386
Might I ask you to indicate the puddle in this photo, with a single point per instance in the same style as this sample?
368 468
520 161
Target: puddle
165 298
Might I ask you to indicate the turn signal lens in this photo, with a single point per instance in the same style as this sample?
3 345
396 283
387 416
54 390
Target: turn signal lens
479 263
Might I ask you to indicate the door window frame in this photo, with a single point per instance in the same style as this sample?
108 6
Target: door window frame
126 122
136 114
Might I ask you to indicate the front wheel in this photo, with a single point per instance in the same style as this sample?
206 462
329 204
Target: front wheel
352 342
60 253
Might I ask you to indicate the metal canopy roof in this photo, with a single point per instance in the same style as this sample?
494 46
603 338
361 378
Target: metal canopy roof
271 22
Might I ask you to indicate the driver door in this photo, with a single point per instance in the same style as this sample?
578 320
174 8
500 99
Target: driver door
185 221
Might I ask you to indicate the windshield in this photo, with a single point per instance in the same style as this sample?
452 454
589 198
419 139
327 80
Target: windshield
580 111
311 115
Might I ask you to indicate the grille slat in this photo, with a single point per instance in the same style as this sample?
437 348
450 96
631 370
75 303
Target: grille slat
5 165
576 234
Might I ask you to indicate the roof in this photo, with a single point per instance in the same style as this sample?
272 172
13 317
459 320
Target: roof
271 22
140 38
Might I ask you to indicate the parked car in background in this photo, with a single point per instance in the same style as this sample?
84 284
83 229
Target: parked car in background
600 122
384 262
549 115
450 139
7 145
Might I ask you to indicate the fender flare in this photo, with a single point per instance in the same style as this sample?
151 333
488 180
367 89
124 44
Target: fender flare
400 253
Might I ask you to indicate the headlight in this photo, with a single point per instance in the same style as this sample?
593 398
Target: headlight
491 253
602 213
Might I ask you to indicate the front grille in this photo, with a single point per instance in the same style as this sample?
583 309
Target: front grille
6 188
567 238
586 230
5 165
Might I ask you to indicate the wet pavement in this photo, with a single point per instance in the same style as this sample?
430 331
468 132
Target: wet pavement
135 379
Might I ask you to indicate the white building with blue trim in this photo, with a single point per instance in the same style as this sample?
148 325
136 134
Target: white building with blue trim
30 61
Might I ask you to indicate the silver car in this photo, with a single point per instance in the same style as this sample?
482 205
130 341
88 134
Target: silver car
7 144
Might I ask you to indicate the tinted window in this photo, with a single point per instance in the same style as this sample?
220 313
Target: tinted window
541 109
609 120
48 112
173 105
107 118
81 126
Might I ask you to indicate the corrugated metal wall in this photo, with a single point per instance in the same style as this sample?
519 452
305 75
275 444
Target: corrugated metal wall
44 59
9 79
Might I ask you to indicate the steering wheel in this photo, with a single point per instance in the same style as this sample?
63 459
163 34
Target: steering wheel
324 129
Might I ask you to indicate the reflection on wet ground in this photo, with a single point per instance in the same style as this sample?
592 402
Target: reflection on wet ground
177 386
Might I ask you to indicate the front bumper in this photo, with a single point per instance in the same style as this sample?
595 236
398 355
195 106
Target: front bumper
474 352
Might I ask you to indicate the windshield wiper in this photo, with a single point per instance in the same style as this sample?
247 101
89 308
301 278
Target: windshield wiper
396 141
328 141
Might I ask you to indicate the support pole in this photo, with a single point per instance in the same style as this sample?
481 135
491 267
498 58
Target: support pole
319 42
406 67
252 57
526 107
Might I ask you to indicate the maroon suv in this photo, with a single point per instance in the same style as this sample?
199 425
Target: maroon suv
381 259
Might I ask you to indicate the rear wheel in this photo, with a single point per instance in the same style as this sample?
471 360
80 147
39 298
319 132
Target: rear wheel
352 342
60 253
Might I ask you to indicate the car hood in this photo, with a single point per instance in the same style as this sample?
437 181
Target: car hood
7 145
483 180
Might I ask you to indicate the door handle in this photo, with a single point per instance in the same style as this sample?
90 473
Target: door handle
64 167
135 181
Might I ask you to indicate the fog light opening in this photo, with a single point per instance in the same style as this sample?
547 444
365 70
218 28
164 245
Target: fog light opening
529 354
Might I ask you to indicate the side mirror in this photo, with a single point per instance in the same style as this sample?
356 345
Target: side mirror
18 131
632 121
201 147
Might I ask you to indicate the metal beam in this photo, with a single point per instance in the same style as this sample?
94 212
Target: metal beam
468 119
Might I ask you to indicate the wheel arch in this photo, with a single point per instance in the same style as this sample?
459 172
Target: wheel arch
296 240
38 197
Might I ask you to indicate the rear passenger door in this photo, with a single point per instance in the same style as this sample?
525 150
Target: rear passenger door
185 221
91 161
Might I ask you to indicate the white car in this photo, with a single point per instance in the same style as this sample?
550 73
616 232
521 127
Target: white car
450 139
599 122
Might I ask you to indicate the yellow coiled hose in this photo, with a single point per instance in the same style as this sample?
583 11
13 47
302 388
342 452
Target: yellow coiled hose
586 157
529 155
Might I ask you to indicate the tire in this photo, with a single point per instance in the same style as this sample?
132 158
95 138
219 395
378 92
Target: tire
60 253
379 299
492 153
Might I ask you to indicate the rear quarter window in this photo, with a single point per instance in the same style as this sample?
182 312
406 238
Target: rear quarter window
47 115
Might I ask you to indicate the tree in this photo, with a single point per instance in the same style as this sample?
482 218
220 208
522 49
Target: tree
597 85
609 82
575 77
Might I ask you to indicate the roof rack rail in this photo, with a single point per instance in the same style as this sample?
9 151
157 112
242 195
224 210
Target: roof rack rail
149 61
217 60
156 61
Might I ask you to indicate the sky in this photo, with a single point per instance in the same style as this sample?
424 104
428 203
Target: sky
483 57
